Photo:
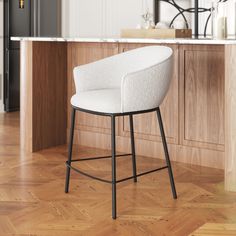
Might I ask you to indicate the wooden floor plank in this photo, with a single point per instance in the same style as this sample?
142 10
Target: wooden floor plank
211 229
33 202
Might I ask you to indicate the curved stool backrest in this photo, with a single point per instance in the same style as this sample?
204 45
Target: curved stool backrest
142 74
133 82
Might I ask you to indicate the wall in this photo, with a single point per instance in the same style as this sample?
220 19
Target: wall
1 55
105 18
100 18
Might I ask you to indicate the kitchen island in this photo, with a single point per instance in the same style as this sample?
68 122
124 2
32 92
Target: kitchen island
198 112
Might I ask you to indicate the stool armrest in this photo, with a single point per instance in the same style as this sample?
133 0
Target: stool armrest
146 89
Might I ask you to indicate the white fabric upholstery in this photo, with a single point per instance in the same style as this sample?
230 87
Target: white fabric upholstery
101 100
132 81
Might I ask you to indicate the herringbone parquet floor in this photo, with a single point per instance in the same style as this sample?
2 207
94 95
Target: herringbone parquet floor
33 203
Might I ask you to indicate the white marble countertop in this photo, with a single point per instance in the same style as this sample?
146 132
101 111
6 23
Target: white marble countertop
129 40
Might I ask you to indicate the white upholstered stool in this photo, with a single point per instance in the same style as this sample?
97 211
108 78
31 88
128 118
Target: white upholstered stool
126 84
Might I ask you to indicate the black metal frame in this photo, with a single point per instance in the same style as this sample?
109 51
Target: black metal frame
196 10
113 156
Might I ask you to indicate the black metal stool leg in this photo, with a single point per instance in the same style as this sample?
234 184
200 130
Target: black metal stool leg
166 153
70 149
133 147
113 150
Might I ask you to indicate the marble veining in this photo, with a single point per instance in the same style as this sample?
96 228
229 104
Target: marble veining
128 40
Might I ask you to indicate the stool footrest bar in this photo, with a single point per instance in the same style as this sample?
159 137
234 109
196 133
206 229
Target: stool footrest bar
88 175
118 181
98 158
142 174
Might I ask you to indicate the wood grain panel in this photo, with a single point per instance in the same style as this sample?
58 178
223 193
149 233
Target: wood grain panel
26 77
44 88
145 125
49 94
80 54
230 118
202 91
32 200
201 152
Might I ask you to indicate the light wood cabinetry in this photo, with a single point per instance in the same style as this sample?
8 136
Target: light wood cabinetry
43 95
80 54
202 96
193 110
198 112
145 125
230 118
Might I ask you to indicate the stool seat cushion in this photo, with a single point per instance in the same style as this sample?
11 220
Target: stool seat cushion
101 100
133 81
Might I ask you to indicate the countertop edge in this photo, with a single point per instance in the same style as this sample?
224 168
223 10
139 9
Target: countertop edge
127 40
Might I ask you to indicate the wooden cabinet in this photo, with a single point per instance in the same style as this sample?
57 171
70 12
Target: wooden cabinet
198 111
202 96
193 110
146 125
43 95
83 53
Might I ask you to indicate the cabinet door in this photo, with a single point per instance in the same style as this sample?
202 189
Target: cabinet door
83 53
146 125
202 96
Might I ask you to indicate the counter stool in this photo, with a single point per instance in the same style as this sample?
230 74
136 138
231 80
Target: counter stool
127 84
